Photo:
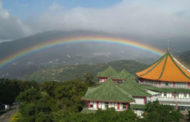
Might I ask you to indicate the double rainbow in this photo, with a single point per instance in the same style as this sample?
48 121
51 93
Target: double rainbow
79 39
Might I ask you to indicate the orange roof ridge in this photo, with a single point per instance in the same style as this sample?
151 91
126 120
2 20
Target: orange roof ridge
181 67
167 68
181 64
163 69
149 69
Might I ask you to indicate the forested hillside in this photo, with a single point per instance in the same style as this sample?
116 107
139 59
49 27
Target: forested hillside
72 71
61 102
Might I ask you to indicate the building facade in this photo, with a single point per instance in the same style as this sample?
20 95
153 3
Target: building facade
167 81
109 92
170 79
107 95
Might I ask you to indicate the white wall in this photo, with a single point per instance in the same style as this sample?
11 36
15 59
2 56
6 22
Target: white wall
101 105
94 105
139 113
166 84
182 99
7 107
112 105
101 80
178 95
181 85
138 100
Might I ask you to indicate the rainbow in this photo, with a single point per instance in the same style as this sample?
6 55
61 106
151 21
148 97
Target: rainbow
78 39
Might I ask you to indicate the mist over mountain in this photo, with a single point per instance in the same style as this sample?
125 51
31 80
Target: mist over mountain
75 53
185 56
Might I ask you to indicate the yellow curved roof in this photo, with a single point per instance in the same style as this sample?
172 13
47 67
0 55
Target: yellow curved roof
167 68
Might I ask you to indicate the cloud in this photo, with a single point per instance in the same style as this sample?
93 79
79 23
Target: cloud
55 7
11 27
144 18
163 19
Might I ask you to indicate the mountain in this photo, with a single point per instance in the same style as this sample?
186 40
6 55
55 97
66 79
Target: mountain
185 56
68 54
70 72
67 72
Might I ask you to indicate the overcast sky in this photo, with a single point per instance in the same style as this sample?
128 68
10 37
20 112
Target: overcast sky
161 19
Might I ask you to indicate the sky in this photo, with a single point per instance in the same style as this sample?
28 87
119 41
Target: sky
29 8
149 19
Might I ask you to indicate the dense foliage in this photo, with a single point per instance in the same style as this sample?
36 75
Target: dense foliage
51 97
109 115
10 89
61 102
161 113
188 117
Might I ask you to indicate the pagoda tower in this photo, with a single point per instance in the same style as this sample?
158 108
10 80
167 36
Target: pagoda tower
170 79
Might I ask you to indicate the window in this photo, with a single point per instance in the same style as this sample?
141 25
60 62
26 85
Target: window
111 105
185 95
176 95
106 105
124 105
91 105
165 94
166 83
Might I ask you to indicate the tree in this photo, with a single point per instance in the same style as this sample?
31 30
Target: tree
188 119
29 95
49 87
24 85
9 89
160 113
109 115
35 105
68 95
89 79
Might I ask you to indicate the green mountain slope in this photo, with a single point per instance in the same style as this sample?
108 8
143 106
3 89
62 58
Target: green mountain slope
72 71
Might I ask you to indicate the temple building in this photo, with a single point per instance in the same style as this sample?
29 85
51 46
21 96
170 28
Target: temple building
103 76
116 90
112 73
107 95
169 79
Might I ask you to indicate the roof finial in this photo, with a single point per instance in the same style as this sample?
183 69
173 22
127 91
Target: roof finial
168 45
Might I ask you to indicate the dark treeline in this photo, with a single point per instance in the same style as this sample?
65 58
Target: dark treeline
61 102
10 89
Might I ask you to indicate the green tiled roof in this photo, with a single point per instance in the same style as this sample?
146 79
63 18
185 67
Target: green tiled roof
121 75
172 90
107 73
133 88
108 91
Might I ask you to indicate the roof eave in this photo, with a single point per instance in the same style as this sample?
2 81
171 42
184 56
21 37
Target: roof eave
107 100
